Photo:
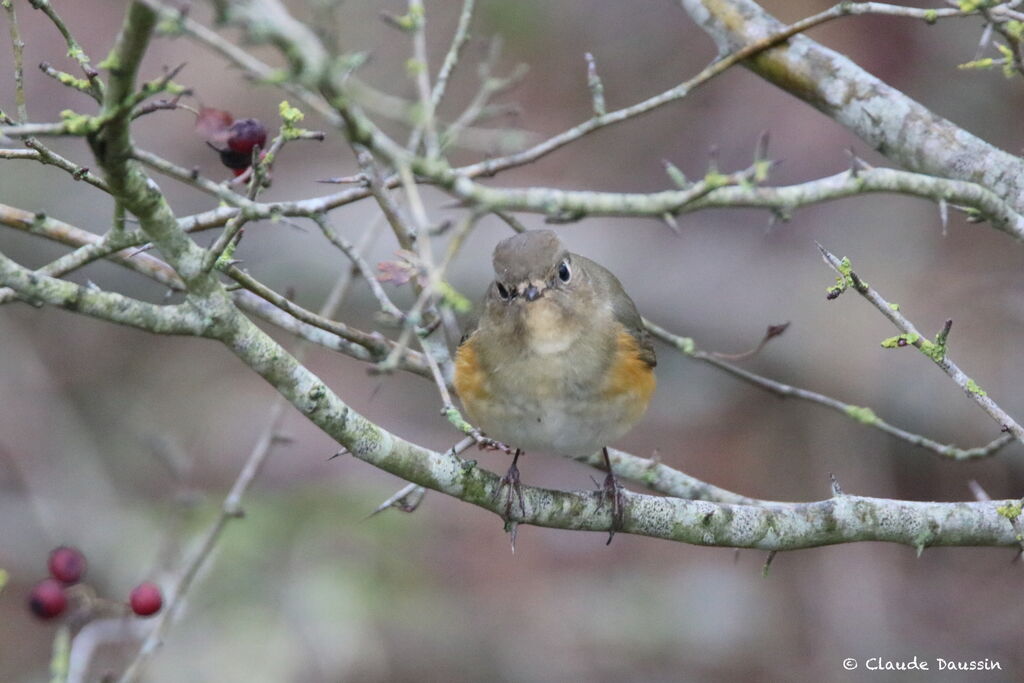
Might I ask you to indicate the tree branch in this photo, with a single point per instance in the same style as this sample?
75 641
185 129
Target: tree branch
34 286
935 350
885 118
861 414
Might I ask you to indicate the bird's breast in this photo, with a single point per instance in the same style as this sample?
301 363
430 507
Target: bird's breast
571 402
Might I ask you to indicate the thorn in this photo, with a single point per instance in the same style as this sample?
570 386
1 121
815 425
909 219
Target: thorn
986 36
674 174
761 150
713 159
854 170
343 451
944 215
512 529
979 493
825 254
174 71
768 563
836 489
670 221
736 556
406 499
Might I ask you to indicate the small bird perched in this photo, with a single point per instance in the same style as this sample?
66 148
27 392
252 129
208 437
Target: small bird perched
559 360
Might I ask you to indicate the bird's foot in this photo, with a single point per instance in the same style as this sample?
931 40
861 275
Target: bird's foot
611 491
512 487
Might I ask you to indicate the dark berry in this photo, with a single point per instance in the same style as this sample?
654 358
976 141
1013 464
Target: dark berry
47 599
244 134
67 564
146 599
235 160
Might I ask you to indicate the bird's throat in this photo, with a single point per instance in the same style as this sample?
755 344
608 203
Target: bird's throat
548 329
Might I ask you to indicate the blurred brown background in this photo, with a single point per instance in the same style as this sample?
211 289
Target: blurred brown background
306 589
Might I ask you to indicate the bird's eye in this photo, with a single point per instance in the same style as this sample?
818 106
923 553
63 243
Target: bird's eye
503 292
564 273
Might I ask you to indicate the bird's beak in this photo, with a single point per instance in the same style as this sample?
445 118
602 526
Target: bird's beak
531 293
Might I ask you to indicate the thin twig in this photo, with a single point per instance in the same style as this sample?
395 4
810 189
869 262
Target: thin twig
232 505
422 77
861 414
935 350
359 264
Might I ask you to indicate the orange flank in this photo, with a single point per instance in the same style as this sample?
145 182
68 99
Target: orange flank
469 377
631 376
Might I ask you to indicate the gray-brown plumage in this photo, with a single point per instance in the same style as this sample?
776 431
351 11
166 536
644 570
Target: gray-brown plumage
559 360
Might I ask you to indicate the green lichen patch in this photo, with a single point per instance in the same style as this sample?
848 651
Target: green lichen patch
455 417
973 388
77 83
900 340
1011 510
844 281
974 5
935 351
862 414
79 124
714 179
686 345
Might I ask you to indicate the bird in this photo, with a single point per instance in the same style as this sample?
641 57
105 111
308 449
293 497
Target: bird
558 361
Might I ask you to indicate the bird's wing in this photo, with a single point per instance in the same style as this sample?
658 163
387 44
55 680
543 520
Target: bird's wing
623 309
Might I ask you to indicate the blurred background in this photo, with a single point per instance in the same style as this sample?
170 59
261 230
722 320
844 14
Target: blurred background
307 588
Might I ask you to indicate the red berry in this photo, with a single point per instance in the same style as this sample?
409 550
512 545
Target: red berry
67 564
47 599
146 599
244 134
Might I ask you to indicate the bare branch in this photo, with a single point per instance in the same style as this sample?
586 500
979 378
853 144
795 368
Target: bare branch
935 350
861 414
885 118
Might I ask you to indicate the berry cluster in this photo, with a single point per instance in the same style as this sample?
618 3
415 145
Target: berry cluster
49 597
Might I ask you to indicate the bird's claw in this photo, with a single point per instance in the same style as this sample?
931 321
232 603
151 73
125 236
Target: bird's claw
512 486
612 491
